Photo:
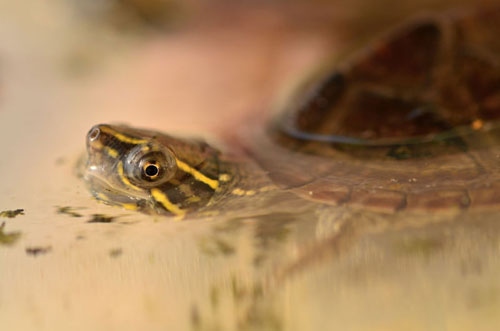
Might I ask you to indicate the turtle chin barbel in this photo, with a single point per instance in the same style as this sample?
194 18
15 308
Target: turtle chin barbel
409 124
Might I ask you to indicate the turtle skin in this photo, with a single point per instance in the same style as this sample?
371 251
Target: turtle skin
408 124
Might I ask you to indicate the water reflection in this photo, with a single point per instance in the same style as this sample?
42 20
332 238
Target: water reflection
301 265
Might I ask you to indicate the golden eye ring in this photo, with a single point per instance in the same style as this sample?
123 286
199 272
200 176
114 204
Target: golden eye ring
151 169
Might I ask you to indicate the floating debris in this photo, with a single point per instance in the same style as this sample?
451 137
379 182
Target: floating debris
11 213
195 318
67 210
60 161
115 252
217 247
35 251
424 246
101 218
8 238
253 309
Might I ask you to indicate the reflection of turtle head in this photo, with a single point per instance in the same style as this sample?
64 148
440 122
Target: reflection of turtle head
140 169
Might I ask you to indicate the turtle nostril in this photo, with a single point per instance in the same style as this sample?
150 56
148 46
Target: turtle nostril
94 134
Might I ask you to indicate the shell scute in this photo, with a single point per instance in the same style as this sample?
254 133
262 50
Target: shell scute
326 191
448 201
404 60
486 196
410 123
384 201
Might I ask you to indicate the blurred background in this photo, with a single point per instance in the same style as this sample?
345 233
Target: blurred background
197 68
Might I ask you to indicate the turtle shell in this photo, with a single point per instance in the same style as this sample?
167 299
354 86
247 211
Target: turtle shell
410 123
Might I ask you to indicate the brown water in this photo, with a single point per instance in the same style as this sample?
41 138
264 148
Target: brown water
293 268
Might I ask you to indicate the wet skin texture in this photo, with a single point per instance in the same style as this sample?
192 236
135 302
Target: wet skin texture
151 172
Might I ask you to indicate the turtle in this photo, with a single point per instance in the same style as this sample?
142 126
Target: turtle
407 124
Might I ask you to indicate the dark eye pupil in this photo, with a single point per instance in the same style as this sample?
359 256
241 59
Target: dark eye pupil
151 170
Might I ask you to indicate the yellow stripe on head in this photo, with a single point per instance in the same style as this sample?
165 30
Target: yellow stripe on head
224 177
238 191
130 206
101 196
97 144
122 137
162 198
125 179
111 152
194 198
214 184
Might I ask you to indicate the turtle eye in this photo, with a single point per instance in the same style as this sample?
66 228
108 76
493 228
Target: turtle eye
150 166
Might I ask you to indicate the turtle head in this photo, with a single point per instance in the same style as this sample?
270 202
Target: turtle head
149 171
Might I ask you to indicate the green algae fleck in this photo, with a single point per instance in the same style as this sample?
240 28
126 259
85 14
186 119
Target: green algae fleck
8 238
67 210
11 213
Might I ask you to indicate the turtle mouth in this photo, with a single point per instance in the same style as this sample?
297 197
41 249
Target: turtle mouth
107 190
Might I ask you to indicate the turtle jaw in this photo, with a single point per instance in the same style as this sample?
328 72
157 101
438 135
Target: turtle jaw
105 181
109 190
